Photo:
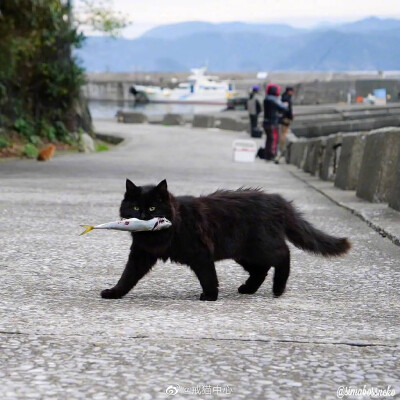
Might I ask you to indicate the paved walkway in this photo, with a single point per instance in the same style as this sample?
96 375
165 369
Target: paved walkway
337 324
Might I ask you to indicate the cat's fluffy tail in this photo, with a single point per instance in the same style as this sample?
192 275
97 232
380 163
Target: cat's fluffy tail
304 236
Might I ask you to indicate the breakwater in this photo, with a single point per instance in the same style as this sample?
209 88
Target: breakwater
310 87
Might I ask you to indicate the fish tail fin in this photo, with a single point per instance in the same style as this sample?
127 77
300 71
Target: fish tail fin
88 228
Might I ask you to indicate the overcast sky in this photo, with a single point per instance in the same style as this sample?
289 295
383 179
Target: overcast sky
303 13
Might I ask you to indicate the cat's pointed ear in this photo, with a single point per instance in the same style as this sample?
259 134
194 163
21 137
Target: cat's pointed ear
131 188
162 188
163 185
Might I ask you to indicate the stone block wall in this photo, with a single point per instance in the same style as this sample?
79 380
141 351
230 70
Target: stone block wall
367 162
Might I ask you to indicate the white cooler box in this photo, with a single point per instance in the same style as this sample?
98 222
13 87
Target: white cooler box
244 150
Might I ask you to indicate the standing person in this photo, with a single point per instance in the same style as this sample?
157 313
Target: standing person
272 109
254 109
287 118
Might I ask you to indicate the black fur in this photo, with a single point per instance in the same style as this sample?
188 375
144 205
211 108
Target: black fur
245 225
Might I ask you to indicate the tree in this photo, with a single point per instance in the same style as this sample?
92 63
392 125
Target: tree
99 16
40 79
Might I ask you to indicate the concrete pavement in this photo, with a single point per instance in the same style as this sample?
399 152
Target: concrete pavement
337 324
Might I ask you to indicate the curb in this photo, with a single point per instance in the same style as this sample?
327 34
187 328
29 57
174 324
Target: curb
394 238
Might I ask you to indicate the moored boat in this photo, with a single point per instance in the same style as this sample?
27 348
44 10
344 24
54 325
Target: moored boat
199 88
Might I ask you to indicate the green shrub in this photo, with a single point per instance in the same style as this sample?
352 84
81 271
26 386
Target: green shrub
48 131
4 143
25 128
35 140
102 147
62 133
30 150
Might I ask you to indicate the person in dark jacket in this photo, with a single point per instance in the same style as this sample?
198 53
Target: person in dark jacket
285 121
254 109
273 107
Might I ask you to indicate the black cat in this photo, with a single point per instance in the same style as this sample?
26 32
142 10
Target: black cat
245 225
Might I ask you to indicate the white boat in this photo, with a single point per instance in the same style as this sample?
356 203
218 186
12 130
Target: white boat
199 88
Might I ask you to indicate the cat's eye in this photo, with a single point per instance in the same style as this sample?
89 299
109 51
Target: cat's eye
152 208
136 208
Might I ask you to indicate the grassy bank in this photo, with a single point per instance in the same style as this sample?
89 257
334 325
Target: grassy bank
14 145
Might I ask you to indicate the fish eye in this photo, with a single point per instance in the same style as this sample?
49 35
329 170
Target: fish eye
136 208
152 208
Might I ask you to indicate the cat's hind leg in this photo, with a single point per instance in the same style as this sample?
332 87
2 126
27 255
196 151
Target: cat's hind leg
282 271
257 276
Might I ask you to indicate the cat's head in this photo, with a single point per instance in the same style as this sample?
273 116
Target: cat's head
146 202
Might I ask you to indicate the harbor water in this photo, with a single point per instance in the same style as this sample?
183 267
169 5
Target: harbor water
108 109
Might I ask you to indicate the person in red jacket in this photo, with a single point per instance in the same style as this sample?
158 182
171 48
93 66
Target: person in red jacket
273 108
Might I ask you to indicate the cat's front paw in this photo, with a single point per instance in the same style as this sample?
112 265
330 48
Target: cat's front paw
209 296
111 294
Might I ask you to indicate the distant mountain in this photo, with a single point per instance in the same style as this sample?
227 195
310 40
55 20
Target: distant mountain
222 52
370 44
370 24
175 31
339 51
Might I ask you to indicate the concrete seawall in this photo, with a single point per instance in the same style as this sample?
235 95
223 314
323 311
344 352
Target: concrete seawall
365 162
309 122
345 119
310 87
